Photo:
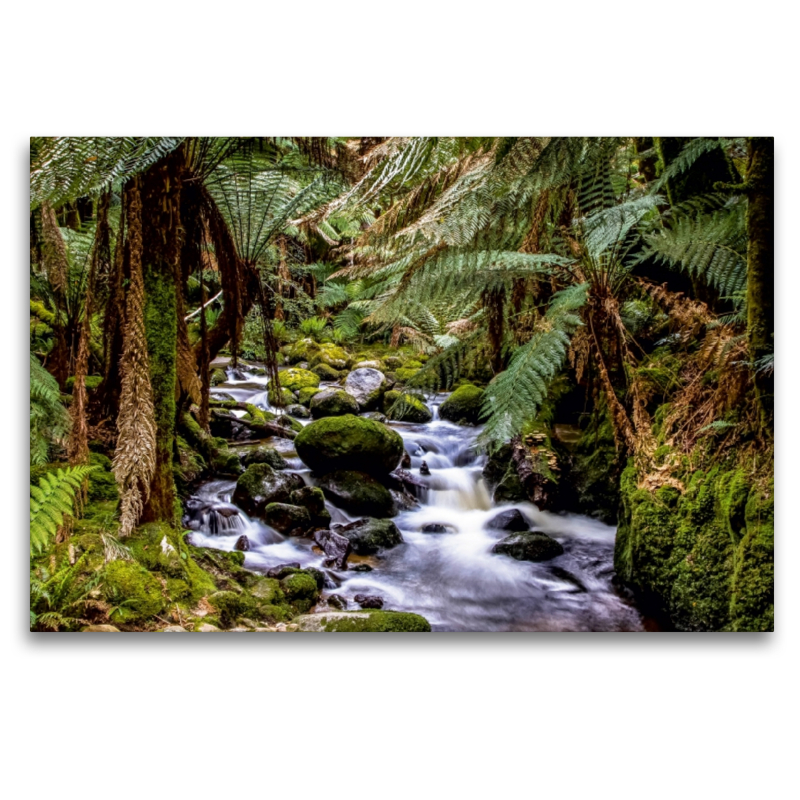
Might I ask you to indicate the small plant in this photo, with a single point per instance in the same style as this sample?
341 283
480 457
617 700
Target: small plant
314 327
60 601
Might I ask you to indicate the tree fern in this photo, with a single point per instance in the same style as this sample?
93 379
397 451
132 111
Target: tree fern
51 500
515 395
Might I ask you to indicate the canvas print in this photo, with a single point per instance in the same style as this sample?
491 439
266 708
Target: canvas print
401 384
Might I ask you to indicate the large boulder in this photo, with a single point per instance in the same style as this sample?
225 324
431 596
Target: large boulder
304 395
529 546
264 455
330 354
357 493
332 403
349 442
368 536
261 485
463 406
295 379
287 519
404 407
363 622
336 547
367 386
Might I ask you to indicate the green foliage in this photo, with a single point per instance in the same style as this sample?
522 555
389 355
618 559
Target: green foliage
49 420
51 500
516 394
58 600
313 327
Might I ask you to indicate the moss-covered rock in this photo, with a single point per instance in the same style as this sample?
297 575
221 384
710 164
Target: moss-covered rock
300 589
369 364
702 556
332 403
463 406
287 519
367 386
285 421
350 443
326 373
264 455
295 379
357 493
298 411
218 376
302 350
304 395
313 500
363 622
404 407
131 591
286 396
261 484
369 536
529 546
330 354
226 462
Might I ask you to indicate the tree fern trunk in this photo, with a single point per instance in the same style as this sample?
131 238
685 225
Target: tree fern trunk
760 261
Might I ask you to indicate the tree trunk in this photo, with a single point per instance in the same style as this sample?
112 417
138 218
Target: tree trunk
760 262
161 187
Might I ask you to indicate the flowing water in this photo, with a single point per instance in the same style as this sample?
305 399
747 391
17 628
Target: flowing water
453 579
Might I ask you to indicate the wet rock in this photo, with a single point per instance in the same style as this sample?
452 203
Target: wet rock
361 568
310 498
406 407
304 395
463 406
434 527
330 354
218 376
510 520
529 546
357 493
261 485
242 543
424 469
332 403
337 601
363 622
369 600
236 375
335 546
285 421
298 411
374 415
295 379
282 570
287 519
264 455
349 442
367 386
368 536
405 461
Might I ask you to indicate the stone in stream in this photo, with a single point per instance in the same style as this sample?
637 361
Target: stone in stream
264 455
282 570
363 622
298 411
368 536
367 386
434 527
242 543
335 546
337 601
374 415
463 406
406 407
261 485
287 519
510 520
332 403
529 546
357 493
326 373
369 600
349 442
361 568
424 469
295 379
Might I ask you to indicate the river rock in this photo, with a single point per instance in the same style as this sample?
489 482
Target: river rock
363 622
357 493
375 415
374 364
330 354
369 600
335 546
405 407
282 570
242 543
287 519
264 455
463 406
326 373
298 411
337 601
368 536
434 527
367 386
332 403
295 379
529 546
510 520
261 485
349 442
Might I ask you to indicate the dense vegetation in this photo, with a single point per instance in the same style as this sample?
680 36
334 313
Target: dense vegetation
622 286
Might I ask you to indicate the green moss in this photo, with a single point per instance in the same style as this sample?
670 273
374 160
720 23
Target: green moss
403 375
325 373
300 589
330 354
132 591
304 395
295 379
200 582
405 407
376 622
287 397
91 382
218 376
463 406
232 605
